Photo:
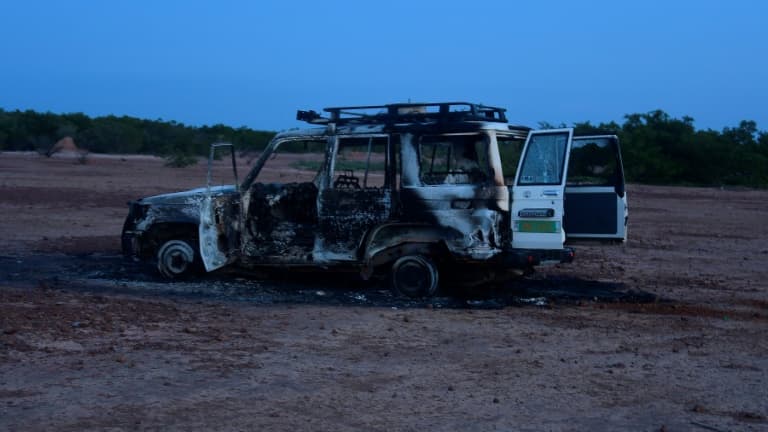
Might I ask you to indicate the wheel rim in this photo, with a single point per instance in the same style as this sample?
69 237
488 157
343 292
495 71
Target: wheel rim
175 258
414 276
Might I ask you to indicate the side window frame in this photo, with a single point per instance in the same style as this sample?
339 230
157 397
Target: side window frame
617 181
562 161
481 153
255 175
504 140
333 172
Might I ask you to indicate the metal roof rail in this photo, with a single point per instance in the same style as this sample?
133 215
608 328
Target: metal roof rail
401 113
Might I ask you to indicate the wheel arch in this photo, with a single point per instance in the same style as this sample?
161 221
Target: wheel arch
386 243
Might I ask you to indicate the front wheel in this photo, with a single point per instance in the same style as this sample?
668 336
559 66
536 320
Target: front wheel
176 259
414 276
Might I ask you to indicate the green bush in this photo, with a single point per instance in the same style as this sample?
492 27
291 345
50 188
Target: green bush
180 160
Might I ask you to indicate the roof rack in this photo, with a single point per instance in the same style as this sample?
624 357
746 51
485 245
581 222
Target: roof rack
406 113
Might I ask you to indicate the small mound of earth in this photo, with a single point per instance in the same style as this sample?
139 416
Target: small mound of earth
66 144
66 147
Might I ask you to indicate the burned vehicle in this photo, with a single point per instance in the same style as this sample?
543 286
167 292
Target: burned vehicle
417 192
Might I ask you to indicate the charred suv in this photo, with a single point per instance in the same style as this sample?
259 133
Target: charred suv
418 192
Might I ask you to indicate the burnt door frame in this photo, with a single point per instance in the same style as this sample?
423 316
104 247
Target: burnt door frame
280 217
347 210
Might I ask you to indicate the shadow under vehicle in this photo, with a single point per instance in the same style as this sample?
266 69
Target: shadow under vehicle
421 193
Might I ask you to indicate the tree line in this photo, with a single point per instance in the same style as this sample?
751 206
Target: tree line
657 148
33 131
660 149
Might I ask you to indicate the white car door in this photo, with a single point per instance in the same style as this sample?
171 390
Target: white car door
539 190
595 193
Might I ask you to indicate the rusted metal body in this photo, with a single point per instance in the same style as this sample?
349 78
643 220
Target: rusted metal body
406 190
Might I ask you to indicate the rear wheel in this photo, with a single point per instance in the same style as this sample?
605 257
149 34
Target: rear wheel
414 276
176 259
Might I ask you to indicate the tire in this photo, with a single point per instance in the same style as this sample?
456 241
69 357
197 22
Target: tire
414 276
176 259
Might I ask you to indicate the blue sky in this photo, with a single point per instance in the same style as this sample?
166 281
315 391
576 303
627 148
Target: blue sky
254 63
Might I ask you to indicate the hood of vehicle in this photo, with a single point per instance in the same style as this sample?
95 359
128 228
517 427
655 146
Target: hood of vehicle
184 197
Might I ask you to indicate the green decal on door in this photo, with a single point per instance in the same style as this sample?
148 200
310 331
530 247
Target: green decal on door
537 226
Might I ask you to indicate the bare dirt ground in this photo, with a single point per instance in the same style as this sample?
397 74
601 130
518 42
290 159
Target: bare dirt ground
668 332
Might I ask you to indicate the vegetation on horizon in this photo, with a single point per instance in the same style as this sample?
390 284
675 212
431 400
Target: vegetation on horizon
177 142
660 149
657 148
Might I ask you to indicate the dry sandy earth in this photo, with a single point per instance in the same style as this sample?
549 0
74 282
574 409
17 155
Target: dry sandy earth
668 332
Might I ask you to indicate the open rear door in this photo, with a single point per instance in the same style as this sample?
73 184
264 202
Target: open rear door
595 194
539 189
